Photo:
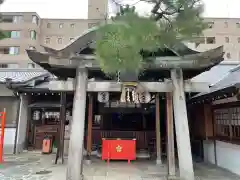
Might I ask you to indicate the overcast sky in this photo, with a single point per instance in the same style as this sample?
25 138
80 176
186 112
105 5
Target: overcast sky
78 8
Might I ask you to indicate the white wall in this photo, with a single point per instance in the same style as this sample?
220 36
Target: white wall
9 140
228 155
208 150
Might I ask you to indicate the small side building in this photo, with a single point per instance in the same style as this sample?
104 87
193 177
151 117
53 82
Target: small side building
14 104
215 119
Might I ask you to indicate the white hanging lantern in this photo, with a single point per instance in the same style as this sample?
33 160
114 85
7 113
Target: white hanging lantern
103 97
144 97
36 115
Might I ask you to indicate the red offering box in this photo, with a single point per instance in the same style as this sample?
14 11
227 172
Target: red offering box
118 149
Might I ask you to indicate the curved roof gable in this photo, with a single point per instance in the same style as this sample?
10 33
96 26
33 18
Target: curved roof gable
71 56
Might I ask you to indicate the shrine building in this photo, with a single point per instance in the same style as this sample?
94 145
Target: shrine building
166 113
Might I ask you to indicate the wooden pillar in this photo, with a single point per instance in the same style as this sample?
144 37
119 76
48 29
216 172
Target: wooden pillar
60 150
170 137
75 154
158 133
90 122
181 126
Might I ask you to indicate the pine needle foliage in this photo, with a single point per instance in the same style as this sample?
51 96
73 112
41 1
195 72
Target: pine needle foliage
120 42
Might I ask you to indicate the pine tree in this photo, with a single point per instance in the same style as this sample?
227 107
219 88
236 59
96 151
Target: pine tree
120 43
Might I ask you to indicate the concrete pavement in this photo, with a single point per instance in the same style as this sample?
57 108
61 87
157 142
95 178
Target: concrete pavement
34 166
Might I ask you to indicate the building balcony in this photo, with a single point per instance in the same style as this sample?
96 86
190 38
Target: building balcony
19 26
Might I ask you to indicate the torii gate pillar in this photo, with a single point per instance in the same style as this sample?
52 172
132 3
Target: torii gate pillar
181 126
75 153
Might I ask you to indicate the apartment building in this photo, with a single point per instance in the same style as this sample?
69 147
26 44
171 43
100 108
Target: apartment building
221 31
26 30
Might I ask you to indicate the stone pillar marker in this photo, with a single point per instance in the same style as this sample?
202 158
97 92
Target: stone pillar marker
75 154
181 126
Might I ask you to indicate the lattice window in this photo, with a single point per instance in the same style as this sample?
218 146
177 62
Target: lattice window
222 122
235 113
227 122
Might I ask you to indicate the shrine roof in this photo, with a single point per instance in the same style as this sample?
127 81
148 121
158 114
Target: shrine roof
215 74
226 87
21 75
63 62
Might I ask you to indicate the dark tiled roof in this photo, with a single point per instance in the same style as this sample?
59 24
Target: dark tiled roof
21 75
231 78
214 74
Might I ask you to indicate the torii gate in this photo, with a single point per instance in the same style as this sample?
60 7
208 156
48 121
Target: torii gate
65 62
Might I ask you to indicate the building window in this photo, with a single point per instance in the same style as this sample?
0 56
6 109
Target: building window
15 34
31 65
210 25
225 24
72 39
35 19
228 55
59 40
48 25
32 48
211 40
17 19
14 50
72 25
47 41
3 65
60 25
238 25
33 35
4 50
227 121
227 39
90 25
238 39
13 65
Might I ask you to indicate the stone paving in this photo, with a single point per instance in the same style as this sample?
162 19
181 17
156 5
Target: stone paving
34 166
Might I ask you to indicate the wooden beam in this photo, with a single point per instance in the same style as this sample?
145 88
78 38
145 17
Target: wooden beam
60 150
113 86
158 131
170 136
191 86
90 122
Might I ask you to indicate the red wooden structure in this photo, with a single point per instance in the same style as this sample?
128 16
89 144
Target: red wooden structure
3 122
118 149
